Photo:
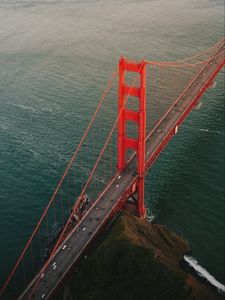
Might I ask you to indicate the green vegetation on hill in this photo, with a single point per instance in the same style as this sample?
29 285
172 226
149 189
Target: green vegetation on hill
124 271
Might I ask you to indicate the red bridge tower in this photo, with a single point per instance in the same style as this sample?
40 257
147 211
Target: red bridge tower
139 117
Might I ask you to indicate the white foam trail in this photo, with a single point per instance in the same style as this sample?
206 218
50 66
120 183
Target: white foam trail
205 130
204 273
23 106
218 132
150 218
211 131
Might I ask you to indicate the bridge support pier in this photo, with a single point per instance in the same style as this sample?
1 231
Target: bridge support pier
137 116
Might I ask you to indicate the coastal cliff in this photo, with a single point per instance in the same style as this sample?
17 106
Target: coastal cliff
136 260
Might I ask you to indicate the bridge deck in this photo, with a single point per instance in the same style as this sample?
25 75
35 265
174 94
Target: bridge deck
81 237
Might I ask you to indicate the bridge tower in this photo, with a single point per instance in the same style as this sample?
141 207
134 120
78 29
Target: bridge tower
139 117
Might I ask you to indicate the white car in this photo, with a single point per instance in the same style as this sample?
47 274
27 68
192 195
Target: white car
84 229
64 247
117 186
119 176
54 265
42 296
42 275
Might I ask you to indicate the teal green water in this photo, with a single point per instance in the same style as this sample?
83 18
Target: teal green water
55 59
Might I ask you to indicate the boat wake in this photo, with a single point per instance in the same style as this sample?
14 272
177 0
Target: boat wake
22 106
211 131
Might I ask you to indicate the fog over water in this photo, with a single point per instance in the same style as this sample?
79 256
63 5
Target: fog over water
55 60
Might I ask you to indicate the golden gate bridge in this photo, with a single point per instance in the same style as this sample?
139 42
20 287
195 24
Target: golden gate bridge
142 108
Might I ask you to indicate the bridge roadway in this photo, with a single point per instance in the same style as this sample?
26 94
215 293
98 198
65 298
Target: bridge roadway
83 234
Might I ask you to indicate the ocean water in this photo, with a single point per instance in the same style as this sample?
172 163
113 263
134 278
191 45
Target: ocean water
55 59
